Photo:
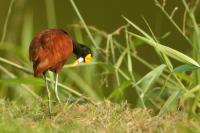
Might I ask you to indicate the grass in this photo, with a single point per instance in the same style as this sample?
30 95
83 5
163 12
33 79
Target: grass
164 99
6 21
105 117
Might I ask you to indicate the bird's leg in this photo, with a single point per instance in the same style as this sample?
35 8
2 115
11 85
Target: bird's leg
56 88
48 93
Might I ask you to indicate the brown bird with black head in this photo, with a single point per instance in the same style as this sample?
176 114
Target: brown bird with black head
50 49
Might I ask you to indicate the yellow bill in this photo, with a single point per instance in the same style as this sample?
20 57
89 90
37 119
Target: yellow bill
88 58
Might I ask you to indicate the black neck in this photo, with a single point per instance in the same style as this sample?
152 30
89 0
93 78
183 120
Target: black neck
77 48
80 50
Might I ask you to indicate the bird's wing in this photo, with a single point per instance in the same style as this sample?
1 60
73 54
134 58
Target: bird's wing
50 48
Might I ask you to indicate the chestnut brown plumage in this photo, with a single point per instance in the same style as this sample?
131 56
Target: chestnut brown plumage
50 49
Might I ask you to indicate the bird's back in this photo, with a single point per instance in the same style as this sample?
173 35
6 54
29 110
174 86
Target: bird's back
49 50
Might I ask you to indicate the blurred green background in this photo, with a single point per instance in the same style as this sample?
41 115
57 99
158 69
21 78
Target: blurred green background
104 15
99 81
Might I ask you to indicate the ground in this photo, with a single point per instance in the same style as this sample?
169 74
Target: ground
106 117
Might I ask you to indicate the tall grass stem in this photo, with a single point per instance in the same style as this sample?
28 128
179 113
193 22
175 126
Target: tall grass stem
84 24
6 21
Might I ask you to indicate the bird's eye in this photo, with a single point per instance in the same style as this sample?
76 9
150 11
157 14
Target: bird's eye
88 58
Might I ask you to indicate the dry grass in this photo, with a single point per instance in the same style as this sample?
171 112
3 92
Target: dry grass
105 118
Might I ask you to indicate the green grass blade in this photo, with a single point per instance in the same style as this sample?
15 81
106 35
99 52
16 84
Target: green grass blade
27 34
168 51
121 58
24 69
149 79
138 28
102 65
185 68
3 60
144 84
129 60
173 22
167 106
27 80
196 47
83 22
51 15
192 92
177 55
162 55
83 85
117 94
124 75
11 75
6 21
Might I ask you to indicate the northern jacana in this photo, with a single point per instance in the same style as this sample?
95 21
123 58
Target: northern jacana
50 49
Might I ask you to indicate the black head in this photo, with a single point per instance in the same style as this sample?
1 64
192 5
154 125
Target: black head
82 52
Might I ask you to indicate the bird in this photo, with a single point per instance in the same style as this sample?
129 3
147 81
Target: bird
49 50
